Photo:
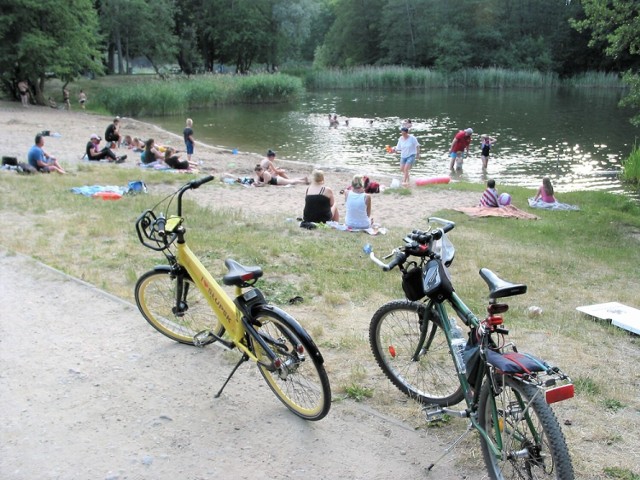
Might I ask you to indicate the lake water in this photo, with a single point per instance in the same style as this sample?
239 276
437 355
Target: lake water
578 138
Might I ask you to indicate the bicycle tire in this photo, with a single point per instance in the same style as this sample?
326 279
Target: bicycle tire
156 297
396 337
537 439
302 384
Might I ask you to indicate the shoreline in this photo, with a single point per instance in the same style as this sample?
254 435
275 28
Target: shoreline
20 125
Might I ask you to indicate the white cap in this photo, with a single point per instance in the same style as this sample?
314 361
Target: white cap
468 131
94 137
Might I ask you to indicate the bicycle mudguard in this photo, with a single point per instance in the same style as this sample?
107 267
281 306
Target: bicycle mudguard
293 324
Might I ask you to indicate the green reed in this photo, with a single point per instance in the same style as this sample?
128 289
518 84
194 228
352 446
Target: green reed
182 94
422 78
631 167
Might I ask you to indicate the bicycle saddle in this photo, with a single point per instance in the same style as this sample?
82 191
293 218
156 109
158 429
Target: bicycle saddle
499 288
239 275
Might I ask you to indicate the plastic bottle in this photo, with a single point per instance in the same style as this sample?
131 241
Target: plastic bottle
458 344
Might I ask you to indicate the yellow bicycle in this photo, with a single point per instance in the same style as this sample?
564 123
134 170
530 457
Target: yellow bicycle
183 301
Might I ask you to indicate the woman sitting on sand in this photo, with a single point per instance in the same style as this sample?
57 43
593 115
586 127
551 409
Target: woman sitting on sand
151 155
264 178
319 203
358 205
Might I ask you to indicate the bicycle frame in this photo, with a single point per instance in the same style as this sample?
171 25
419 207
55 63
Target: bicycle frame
471 395
223 306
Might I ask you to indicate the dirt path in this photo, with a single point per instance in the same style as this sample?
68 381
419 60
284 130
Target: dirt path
90 390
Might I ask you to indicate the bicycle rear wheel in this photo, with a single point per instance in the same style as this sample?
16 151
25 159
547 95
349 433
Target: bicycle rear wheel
175 307
413 352
301 383
520 420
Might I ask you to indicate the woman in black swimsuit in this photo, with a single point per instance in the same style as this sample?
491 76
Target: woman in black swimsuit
319 202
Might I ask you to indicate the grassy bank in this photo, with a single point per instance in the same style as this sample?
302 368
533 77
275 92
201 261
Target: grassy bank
567 259
397 77
147 95
631 167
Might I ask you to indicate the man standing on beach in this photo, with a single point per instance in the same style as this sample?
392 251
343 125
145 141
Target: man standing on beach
188 138
82 98
23 89
460 143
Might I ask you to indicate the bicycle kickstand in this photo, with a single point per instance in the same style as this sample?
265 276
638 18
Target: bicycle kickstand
243 359
449 448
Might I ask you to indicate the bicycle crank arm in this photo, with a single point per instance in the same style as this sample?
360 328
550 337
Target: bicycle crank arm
206 337
435 414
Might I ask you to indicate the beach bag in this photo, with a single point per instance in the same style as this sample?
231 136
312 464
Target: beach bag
137 186
412 283
370 186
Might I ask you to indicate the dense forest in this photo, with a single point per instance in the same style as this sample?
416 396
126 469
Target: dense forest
69 38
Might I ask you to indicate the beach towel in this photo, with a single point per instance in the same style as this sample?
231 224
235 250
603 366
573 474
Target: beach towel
551 206
373 230
91 190
133 187
165 168
508 211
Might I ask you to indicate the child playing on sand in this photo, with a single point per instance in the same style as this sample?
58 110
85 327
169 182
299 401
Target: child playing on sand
188 138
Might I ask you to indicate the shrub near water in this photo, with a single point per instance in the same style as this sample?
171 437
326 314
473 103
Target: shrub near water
162 97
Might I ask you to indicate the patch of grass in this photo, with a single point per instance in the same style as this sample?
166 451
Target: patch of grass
586 386
621 473
358 392
612 404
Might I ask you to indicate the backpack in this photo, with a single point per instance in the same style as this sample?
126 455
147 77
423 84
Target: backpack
370 186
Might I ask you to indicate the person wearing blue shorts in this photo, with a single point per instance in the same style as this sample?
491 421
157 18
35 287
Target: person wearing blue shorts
409 149
188 138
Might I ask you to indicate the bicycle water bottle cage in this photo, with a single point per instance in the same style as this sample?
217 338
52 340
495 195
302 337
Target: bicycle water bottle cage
239 275
499 288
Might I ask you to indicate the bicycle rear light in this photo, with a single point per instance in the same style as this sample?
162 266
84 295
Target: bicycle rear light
494 320
559 394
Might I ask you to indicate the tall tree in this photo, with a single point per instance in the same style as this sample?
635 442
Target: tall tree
39 38
615 26
355 36
241 31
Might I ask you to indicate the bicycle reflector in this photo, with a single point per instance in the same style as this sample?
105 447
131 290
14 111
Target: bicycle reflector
558 394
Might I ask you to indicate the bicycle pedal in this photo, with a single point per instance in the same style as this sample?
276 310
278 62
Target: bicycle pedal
433 413
203 338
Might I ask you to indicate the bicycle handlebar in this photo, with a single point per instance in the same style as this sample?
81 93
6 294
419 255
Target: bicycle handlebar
151 228
417 243
200 181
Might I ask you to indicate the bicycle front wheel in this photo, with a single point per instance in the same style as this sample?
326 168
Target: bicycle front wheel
412 350
301 382
521 425
175 307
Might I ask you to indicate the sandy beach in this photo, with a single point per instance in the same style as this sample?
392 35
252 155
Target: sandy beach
20 125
